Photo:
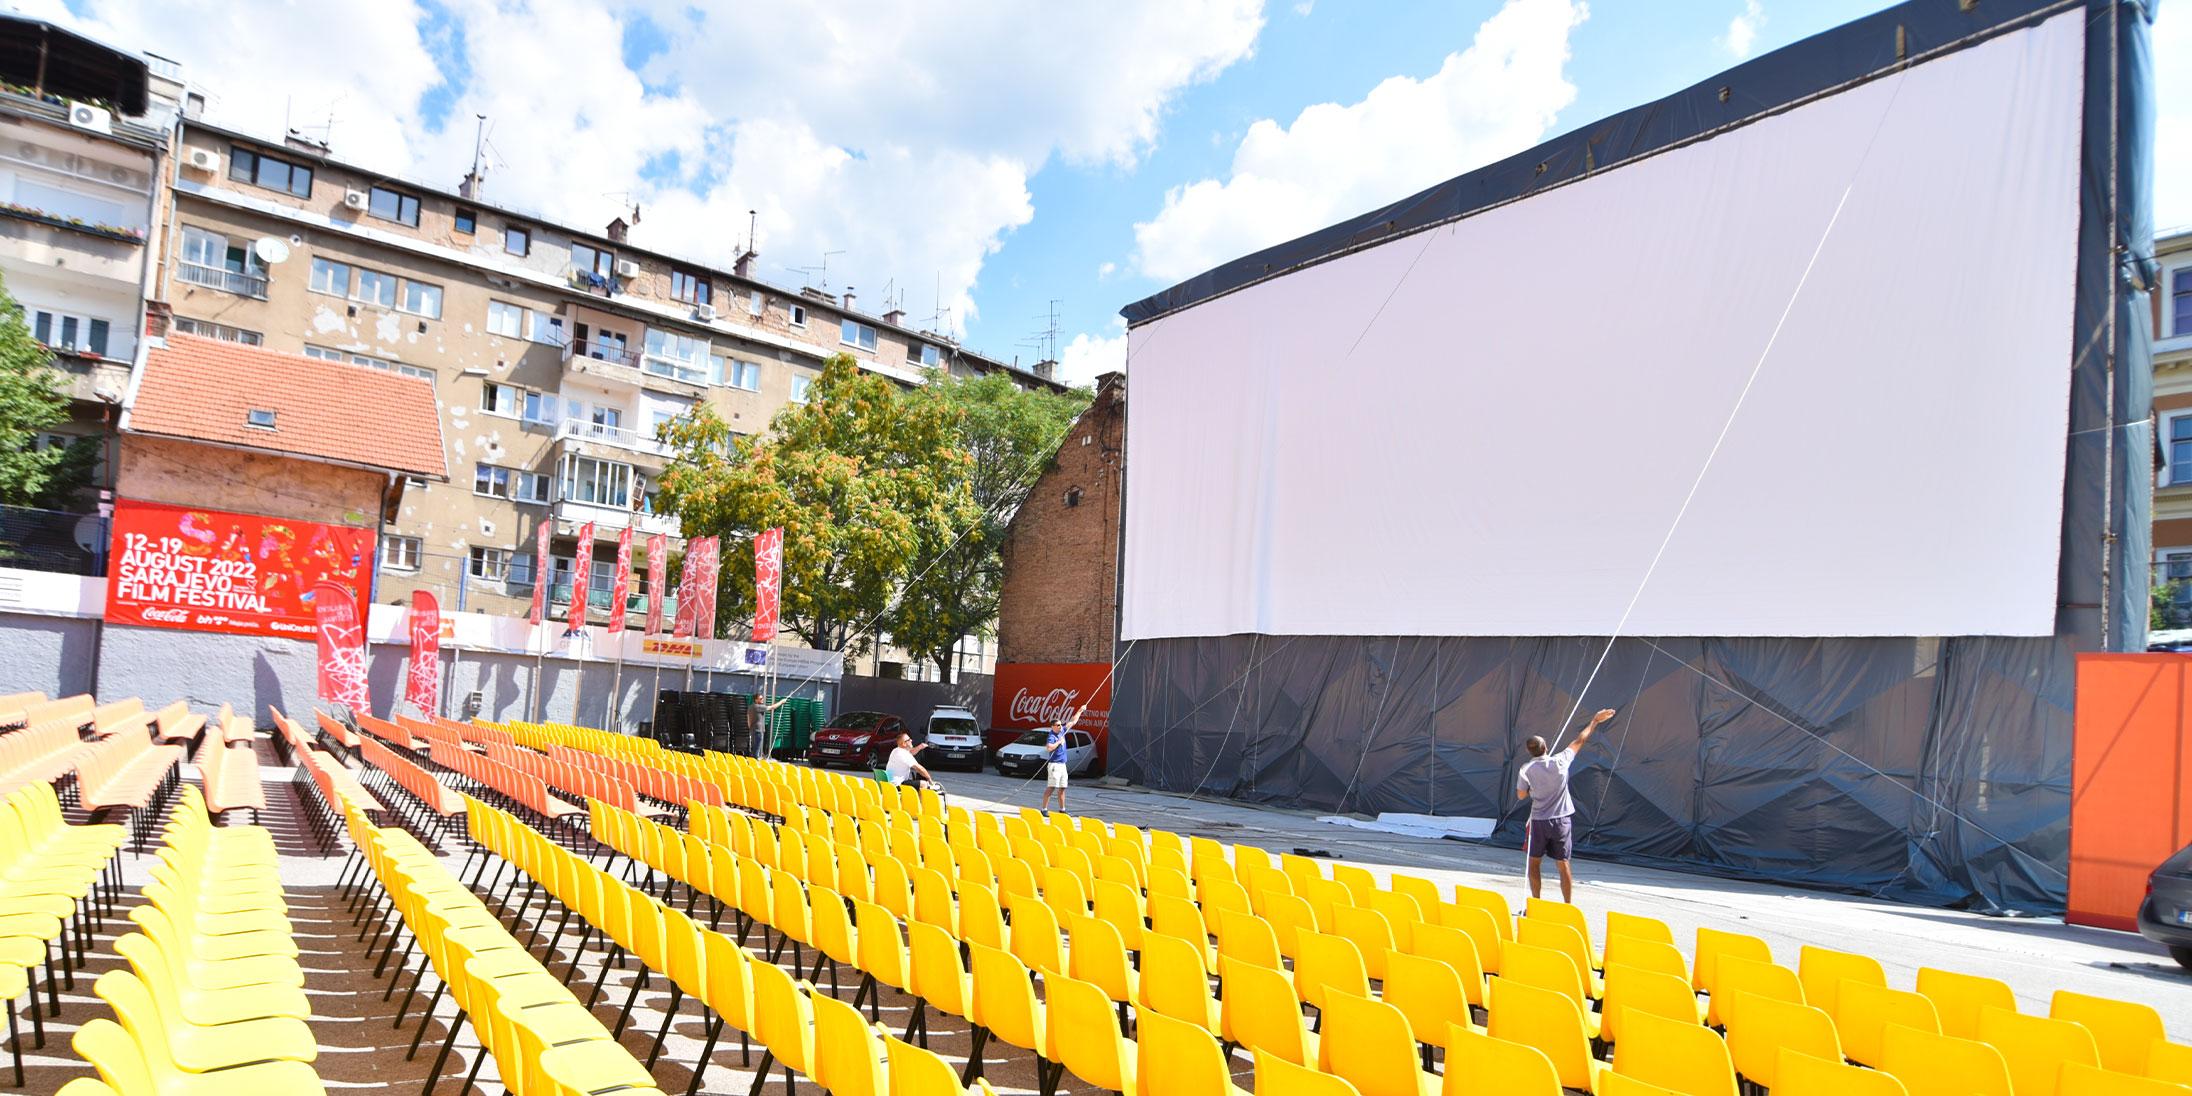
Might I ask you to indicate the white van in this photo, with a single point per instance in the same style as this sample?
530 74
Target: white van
955 740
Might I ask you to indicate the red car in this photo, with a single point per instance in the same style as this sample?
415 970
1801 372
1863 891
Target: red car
857 740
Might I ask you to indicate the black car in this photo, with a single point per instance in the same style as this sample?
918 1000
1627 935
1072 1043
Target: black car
857 740
2166 915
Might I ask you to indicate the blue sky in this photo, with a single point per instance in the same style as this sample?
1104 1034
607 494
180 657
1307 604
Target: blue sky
976 158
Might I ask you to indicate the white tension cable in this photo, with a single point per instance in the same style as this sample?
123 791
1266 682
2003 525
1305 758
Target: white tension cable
1499 450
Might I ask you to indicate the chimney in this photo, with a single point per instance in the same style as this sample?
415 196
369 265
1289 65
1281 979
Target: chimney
469 186
896 317
1047 369
848 298
743 265
617 230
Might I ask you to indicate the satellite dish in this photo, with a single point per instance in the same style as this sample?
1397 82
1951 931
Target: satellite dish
270 250
91 534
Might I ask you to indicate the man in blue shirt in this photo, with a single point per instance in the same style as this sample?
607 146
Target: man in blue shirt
1054 759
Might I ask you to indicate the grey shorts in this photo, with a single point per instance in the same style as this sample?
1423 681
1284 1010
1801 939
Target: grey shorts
1549 837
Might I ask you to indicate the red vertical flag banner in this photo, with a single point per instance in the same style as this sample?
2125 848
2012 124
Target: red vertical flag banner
620 591
540 576
582 576
768 580
711 570
342 647
658 578
687 581
422 684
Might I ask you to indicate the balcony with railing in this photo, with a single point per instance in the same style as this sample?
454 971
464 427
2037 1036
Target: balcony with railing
608 519
240 282
598 597
589 431
611 363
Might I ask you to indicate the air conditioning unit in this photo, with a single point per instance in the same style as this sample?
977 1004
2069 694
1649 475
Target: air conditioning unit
705 313
627 268
354 199
204 159
86 116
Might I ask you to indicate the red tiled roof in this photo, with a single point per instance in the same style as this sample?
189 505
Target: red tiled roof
205 389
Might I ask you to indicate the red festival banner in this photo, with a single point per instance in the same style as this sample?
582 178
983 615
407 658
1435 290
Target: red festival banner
621 590
422 682
711 570
215 571
688 574
541 574
342 647
582 578
768 579
658 577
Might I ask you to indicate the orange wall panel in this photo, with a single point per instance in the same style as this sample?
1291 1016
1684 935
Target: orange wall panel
2129 749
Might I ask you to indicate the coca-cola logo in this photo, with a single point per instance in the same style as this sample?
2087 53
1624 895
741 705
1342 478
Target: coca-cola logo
1043 707
171 616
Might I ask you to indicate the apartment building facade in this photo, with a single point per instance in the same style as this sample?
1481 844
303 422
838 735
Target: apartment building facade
2173 424
554 352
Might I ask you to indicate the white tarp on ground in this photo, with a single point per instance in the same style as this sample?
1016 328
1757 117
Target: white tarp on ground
1488 428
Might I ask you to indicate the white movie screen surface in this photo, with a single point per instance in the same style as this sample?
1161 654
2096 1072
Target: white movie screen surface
1489 428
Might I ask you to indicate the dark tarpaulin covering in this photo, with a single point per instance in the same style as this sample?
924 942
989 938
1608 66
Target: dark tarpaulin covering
1931 770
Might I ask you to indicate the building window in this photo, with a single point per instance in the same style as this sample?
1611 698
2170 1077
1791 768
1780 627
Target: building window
517 241
2180 302
259 417
930 356
421 299
588 259
375 287
854 333
331 277
259 169
755 302
467 221
73 334
799 315
540 408
689 287
2173 568
799 388
210 260
1073 497
2177 448
530 487
507 320
491 564
599 482
735 373
221 331
385 365
400 553
515 484
393 205
680 357
501 399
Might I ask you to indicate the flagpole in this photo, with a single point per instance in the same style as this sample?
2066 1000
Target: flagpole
540 658
616 686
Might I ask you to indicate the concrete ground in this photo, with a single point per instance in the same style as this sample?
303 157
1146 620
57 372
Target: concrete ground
362 1047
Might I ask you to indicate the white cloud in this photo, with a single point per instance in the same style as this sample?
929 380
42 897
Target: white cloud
902 135
1743 29
1496 97
1106 269
1305 7
2172 70
1088 356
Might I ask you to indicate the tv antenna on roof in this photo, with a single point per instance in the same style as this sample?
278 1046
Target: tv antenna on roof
819 275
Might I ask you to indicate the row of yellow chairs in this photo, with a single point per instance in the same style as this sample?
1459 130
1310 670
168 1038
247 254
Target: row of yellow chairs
52 876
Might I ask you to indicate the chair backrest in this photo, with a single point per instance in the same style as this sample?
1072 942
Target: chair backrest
1122 906
1477 1063
1637 927
1371 933
1944 1065
1545 1019
2036 1047
1259 1011
1560 913
2167 1061
1863 1013
1454 948
1428 992
1684 1056
730 993
1649 991
1482 930
783 1016
1739 977
1173 980
1623 949
1275 1076
1544 968
2125 1031
1800 1074
1095 953
116 1056
937 974
1323 962
1759 1027
1082 1034
1822 971
1246 936
1176 1058
918 1072
1369 1043
2077 1080
1559 936
1712 944
1959 997
1004 998
1035 938
1614 1084
882 949
847 1052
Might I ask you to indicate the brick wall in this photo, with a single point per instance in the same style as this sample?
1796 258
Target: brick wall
1061 560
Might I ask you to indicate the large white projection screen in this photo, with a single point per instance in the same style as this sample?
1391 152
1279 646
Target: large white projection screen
1488 428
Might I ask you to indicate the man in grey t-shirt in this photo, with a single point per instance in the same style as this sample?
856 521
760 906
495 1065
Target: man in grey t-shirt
1544 782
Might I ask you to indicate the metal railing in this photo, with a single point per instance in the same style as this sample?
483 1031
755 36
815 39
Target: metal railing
602 352
227 281
52 540
589 430
677 369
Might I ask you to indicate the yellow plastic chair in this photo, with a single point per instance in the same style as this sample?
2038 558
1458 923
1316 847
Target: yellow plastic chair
1649 991
1370 1043
1095 954
1739 976
1614 1084
1290 916
1176 1058
1712 944
1169 881
1801 1074
981 919
196 1049
1247 937
1065 893
1481 929
1371 934
1178 918
1477 1063
1004 1007
933 900
1428 992
1563 938
1863 1013
939 978
882 953
1682 1055
2124 1031
1173 983
2083 1080
1546 969
1637 928
1275 1076
2036 1048
1823 971
1122 907
916 1071
1456 949
1326 963
1259 1011
1960 997
1035 940
2167 1061
1760 1027
1084 1038
1643 953
127 1068
1944 1065
1562 913
1551 1022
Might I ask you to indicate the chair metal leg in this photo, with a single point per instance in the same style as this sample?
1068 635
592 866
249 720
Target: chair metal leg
974 1057
700 1066
425 1020
669 1016
434 1074
625 1014
603 978
418 978
761 1076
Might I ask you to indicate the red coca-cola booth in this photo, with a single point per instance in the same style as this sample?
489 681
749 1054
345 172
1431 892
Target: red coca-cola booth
1030 695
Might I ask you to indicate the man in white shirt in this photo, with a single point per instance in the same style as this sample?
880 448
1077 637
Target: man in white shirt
1544 782
901 767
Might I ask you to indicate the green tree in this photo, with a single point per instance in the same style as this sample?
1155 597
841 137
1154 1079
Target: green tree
853 475
31 400
1009 435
